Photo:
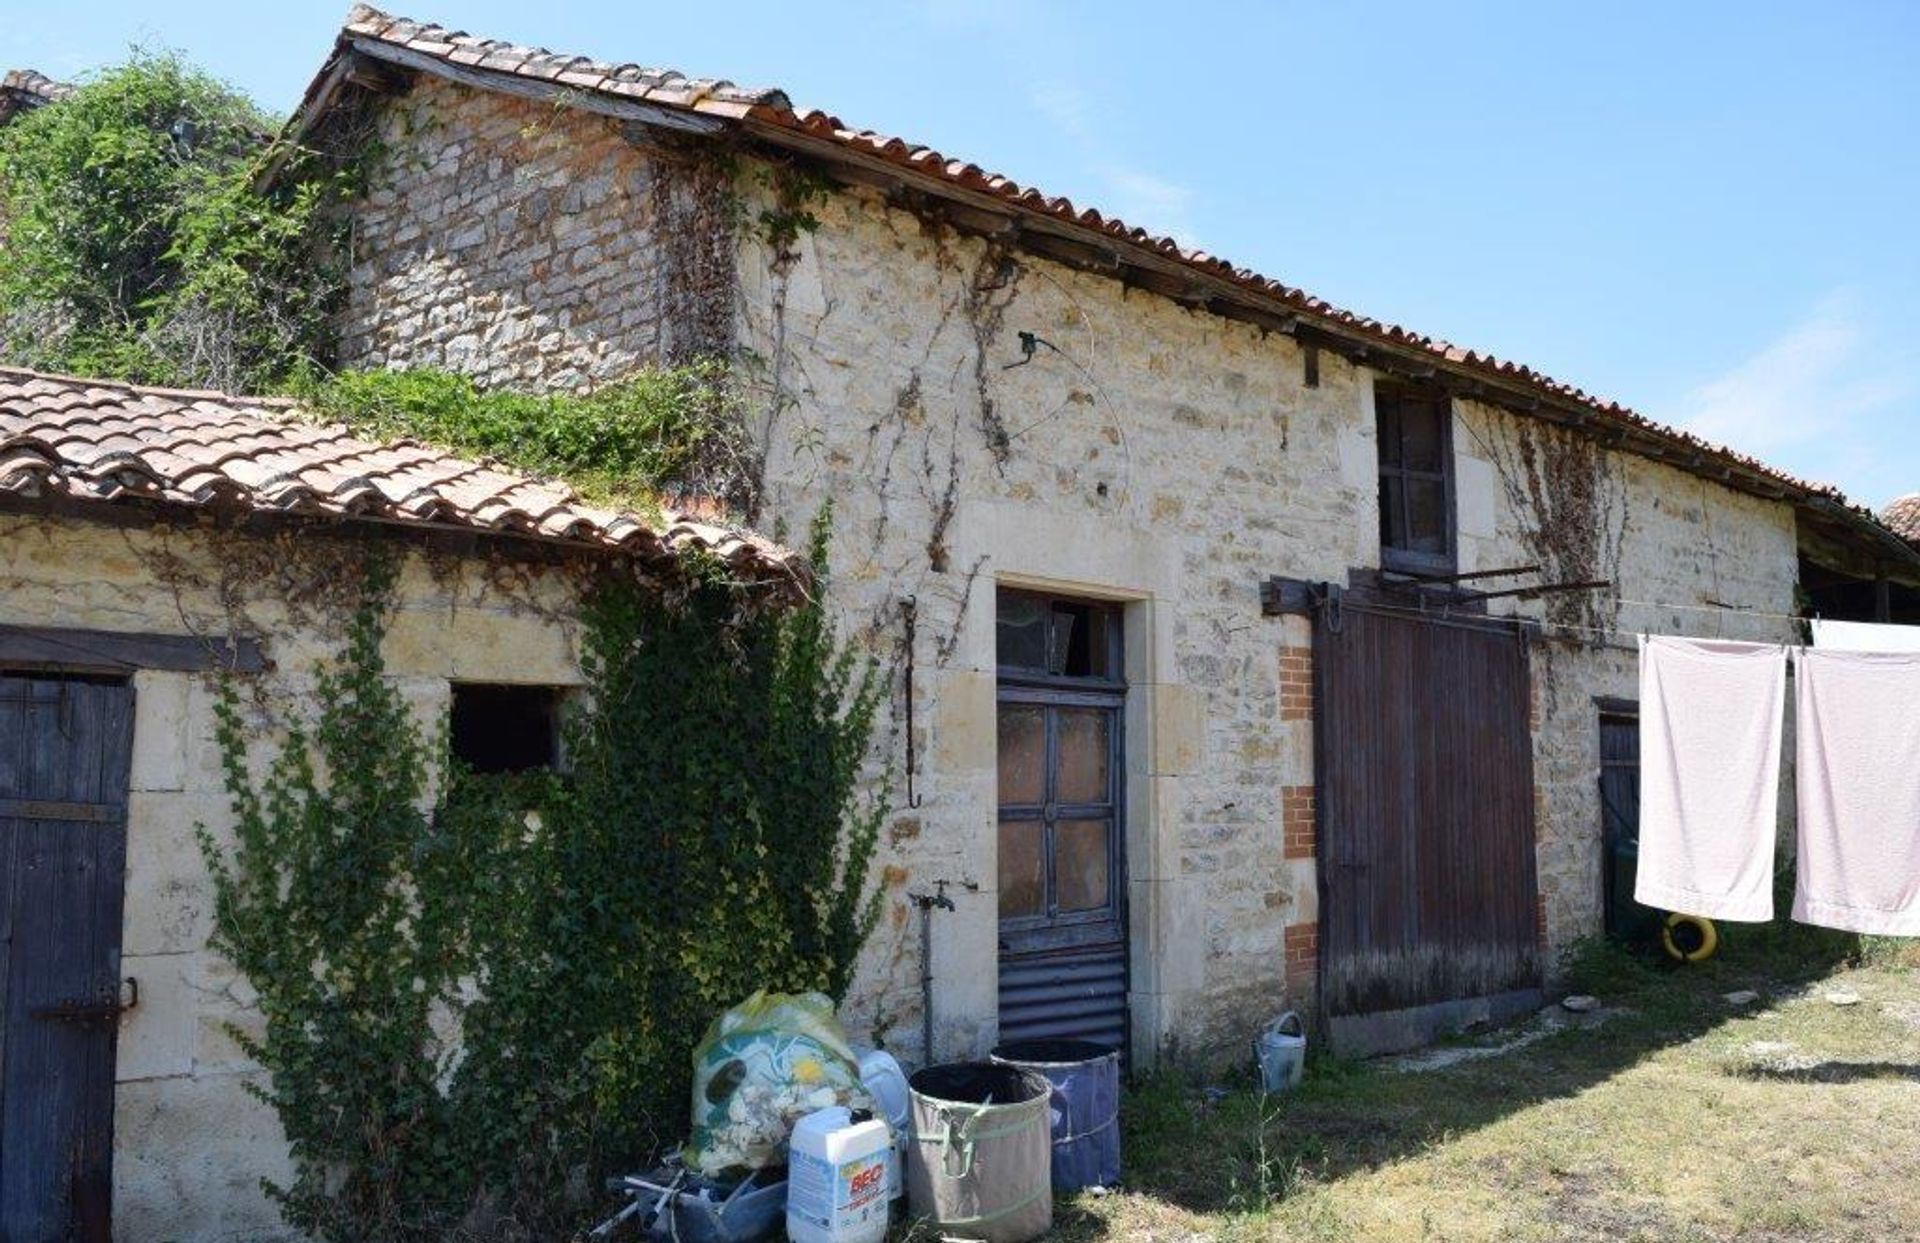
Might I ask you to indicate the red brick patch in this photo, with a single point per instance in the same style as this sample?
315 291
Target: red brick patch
1296 683
1303 952
1296 822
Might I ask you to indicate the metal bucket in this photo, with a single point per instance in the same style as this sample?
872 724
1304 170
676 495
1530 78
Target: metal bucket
1281 1052
1085 1108
979 1164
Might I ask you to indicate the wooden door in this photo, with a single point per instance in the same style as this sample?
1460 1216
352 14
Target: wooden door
1427 874
64 752
1061 838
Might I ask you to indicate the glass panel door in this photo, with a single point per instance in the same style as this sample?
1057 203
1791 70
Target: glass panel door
1059 840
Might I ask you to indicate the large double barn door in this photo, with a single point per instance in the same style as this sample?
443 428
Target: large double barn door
64 752
1426 860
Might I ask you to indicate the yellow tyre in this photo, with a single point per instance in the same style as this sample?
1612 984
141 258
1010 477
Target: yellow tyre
1689 938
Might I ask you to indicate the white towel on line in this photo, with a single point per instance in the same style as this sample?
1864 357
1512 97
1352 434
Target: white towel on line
1709 775
1865 636
1857 772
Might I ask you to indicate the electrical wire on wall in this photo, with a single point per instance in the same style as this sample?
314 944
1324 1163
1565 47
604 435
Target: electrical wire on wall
1031 342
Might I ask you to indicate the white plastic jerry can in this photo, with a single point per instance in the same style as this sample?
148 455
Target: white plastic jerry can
837 1178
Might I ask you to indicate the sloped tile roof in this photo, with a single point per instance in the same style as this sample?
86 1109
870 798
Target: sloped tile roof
1902 517
769 113
100 441
22 89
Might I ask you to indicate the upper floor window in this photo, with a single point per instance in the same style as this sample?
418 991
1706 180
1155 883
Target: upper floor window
1415 427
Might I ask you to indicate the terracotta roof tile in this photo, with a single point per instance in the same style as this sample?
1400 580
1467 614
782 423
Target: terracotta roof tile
772 114
1902 517
34 86
101 440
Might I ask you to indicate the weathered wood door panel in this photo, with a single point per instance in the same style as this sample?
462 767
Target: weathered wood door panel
1427 873
64 753
1061 839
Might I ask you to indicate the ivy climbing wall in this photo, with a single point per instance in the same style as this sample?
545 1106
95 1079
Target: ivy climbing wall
1533 494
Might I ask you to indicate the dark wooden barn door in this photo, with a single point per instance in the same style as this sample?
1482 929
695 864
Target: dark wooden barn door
1425 758
64 751
1062 864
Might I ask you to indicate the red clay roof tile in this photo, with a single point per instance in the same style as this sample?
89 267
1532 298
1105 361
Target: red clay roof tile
101 440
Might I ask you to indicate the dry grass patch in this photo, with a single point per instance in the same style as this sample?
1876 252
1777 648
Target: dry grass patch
1679 1117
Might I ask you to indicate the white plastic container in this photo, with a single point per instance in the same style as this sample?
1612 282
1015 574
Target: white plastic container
837 1178
883 1079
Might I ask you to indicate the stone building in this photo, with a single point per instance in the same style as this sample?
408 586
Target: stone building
1180 563
151 542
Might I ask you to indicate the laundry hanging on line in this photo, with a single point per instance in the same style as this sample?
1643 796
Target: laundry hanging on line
1857 782
1864 636
1709 780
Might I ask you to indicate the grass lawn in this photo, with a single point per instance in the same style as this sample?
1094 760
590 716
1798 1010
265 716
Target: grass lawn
1671 1115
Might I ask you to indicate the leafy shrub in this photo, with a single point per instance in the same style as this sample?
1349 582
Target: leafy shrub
137 245
472 1013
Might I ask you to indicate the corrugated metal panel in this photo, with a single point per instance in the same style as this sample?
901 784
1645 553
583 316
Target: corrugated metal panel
1426 812
1080 995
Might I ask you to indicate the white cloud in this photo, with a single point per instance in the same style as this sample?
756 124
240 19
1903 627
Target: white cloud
1810 386
1151 203
1064 104
1826 400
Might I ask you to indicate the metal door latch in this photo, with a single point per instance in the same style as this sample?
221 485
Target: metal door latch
73 1010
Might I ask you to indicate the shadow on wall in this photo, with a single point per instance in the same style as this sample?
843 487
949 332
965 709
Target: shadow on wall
1202 1148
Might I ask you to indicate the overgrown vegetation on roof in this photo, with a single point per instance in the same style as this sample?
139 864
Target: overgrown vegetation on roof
659 430
138 247
141 244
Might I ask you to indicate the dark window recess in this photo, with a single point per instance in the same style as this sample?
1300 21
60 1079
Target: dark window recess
1415 427
1060 638
506 729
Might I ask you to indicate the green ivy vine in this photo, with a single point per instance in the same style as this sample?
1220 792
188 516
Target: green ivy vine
480 995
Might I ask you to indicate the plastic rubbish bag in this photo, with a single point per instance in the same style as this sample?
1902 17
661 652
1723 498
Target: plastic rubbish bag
762 1066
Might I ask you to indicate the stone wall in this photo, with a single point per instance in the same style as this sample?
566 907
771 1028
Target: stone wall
1147 453
1700 552
532 245
190 1144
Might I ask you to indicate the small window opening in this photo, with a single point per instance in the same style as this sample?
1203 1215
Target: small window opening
506 729
1063 638
1415 427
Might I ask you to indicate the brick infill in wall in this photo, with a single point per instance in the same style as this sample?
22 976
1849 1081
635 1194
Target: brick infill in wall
1296 822
1303 954
1296 683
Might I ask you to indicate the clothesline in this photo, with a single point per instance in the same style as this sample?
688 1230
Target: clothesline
1710 750
1609 632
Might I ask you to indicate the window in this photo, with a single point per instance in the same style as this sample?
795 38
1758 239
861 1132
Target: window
505 729
1415 427
1058 638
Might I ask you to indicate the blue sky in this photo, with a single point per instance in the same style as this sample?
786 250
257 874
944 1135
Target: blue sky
1706 210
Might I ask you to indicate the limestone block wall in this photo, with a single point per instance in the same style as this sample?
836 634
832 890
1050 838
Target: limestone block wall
529 245
1686 556
190 1144
1147 453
